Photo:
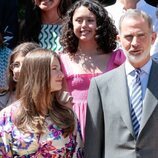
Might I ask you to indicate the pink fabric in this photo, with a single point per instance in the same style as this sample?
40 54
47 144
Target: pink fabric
78 84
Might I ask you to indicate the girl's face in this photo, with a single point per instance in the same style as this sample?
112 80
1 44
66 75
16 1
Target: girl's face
46 5
56 75
84 24
16 66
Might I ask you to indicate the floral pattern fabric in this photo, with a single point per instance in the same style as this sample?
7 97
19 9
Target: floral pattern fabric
52 144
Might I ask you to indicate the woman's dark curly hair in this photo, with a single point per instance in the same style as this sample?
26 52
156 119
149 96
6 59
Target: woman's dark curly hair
32 23
105 32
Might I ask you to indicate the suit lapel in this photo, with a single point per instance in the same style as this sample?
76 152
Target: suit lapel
150 101
151 96
123 100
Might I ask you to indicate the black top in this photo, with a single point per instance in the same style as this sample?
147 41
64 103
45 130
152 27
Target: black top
9 22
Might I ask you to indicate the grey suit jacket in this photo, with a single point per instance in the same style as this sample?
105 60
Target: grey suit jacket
109 131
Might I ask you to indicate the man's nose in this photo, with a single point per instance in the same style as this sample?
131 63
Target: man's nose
135 41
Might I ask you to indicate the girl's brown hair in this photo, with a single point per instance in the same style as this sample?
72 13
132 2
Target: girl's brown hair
22 49
34 92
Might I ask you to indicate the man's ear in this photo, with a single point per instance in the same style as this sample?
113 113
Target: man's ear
154 36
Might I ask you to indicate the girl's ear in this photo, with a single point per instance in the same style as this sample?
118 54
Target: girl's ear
118 37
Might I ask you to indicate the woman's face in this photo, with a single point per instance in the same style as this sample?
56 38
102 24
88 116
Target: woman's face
46 5
16 66
56 75
84 24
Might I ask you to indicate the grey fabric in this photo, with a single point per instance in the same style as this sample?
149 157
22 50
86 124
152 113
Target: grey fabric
109 131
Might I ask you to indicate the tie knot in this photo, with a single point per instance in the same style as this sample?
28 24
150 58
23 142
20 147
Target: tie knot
138 72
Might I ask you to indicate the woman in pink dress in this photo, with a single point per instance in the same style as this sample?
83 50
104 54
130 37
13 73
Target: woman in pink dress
89 41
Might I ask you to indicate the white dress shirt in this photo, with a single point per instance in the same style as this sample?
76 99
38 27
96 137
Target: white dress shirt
143 77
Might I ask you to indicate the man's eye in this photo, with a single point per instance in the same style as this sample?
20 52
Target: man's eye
141 36
128 37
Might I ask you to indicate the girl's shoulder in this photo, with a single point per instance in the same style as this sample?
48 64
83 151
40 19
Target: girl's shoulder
4 98
63 56
66 63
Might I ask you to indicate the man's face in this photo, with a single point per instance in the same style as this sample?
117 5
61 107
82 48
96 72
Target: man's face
136 39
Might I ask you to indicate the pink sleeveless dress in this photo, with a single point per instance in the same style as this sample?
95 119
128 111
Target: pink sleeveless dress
78 84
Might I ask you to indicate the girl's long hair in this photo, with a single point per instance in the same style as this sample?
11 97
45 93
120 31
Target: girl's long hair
106 31
22 49
34 93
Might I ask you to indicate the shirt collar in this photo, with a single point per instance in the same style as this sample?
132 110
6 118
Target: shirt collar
139 4
146 68
120 5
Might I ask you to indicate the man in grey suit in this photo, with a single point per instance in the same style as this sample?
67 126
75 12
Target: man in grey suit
122 115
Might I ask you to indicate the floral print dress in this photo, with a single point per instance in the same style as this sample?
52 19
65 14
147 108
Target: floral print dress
52 144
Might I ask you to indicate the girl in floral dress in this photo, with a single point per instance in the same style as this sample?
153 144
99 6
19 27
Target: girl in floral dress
38 125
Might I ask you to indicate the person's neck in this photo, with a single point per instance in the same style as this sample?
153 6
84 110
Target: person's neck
47 17
129 4
90 50
87 47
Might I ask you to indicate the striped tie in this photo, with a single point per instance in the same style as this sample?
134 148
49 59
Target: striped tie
136 102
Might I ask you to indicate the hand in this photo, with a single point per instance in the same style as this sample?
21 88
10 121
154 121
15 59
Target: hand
65 98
